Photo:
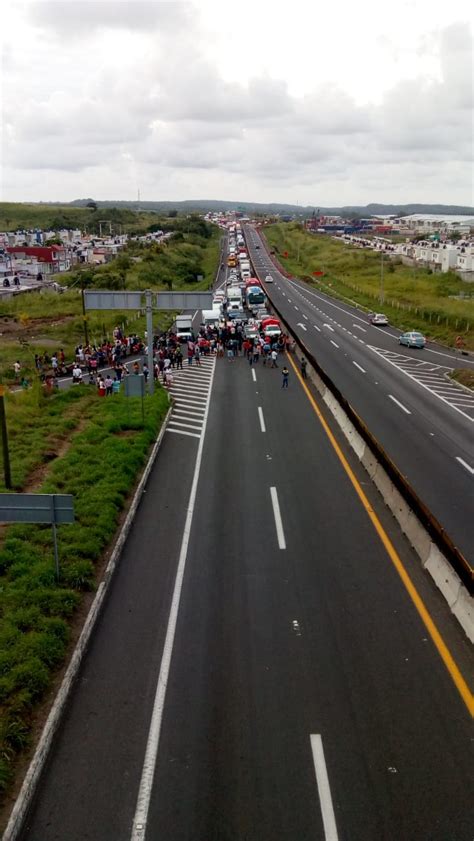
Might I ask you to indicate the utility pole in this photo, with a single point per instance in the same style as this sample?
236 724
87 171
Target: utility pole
382 294
84 317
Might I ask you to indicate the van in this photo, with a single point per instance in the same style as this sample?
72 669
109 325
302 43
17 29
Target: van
211 317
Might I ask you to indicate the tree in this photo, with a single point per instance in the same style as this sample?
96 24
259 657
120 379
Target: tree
172 214
91 205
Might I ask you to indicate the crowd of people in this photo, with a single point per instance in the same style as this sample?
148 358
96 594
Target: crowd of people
169 355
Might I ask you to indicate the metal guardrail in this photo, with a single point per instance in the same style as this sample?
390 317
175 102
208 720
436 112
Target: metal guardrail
438 534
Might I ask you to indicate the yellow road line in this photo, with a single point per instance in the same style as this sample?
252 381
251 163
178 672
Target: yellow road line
435 635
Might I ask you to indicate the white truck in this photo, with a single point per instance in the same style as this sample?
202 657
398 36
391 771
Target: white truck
211 318
184 327
234 298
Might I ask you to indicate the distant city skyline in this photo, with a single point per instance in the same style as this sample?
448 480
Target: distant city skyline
171 101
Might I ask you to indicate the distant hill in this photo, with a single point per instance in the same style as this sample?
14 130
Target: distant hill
205 205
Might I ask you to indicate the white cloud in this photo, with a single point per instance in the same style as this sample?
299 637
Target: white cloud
202 100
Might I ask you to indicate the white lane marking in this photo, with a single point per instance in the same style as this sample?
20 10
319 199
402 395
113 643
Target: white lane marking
316 328
322 779
185 425
330 304
359 367
201 391
149 764
278 522
181 402
329 327
383 355
360 328
305 316
261 419
300 324
334 343
254 376
399 404
296 307
191 435
187 412
465 464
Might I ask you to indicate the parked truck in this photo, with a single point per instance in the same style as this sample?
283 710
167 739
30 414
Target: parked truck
184 327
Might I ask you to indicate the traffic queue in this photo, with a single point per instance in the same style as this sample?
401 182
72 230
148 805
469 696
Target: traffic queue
240 311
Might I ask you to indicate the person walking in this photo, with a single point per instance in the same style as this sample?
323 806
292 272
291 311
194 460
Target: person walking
274 357
179 359
303 368
285 373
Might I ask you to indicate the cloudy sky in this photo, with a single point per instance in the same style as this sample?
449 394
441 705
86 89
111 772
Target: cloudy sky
303 102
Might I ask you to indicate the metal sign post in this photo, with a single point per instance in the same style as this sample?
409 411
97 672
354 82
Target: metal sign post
149 329
38 508
4 434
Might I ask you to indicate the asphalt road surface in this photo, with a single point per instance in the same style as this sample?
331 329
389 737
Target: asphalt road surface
424 423
298 695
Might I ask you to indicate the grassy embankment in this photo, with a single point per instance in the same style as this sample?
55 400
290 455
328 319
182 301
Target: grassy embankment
34 323
72 442
413 298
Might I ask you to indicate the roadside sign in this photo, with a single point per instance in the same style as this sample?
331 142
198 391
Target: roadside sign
36 508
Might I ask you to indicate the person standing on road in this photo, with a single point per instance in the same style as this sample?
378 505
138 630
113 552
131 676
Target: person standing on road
303 368
285 373
274 357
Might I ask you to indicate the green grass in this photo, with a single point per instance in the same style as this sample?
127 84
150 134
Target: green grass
99 468
413 298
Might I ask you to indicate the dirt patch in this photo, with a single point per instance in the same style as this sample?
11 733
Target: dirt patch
13 328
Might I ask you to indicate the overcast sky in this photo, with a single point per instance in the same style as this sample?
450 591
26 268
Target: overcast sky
305 102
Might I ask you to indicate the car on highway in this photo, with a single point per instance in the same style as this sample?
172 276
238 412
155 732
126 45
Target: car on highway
378 319
251 332
412 339
237 315
268 279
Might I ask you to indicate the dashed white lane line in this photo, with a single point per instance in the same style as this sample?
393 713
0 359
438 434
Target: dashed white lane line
261 419
296 308
329 327
254 376
399 404
324 790
465 464
334 343
277 516
305 316
360 328
316 328
359 367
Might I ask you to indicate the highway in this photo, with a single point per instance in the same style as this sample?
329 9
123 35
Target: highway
424 423
259 649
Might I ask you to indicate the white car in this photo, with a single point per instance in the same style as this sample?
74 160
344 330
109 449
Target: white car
378 318
268 279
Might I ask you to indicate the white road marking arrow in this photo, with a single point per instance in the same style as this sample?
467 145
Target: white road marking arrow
329 327
301 325
360 328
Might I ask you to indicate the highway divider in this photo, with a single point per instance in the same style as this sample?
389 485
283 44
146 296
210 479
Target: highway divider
446 564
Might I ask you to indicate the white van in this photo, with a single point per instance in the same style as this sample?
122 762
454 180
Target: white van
211 317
